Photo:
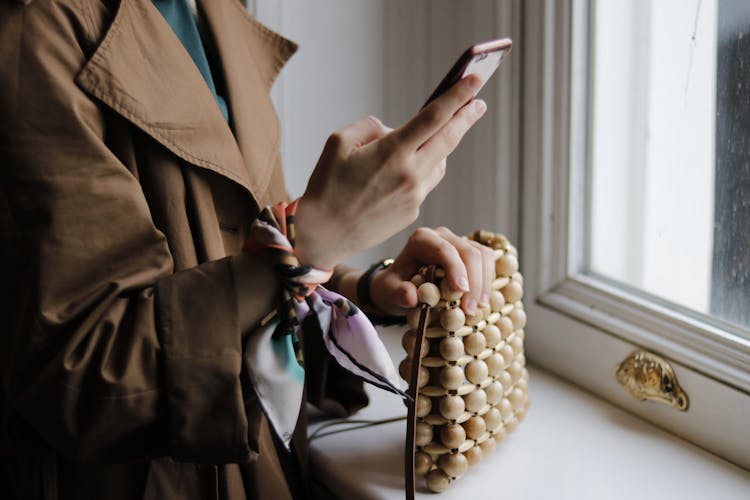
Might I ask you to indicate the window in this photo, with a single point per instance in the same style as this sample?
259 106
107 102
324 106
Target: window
635 214
668 174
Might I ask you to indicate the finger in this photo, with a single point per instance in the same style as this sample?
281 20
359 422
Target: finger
363 131
427 247
473 262
433 117
442 143
488 272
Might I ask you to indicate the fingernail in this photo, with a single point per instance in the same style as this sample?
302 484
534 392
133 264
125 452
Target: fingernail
471 306
480 106
463 284
484 300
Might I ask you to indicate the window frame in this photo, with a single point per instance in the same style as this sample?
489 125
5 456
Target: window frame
567 308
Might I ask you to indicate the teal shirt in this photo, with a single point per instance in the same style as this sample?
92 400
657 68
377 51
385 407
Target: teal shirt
180 18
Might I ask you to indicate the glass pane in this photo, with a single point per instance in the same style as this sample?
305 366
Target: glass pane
669 138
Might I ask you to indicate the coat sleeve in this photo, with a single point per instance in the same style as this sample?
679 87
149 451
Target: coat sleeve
107 354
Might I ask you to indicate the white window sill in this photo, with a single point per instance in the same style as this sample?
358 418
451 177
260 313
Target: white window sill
572 445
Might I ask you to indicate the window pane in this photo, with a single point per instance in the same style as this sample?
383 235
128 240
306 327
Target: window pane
669 170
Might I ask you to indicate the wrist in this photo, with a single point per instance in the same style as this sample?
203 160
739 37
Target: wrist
312 239
348 285
364 295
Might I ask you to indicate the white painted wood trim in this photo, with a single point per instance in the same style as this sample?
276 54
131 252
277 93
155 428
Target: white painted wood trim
580 327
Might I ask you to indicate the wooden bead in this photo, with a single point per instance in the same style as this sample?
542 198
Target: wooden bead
488 446
492 335
505 379
422 463
476 371
452 319
497 300
422 434
515 369
521 334
424 405
518 278
517 397
454 464
506 265
423 377
429 293
518 317
512 292
449 294
452 377
499 434
408 342
473 455
495 364
474 319
494 392
492 419
517 345
412 317
451 348
475 427
452 407
508 355
417 280
505 408
404 369
438 481
452 436
475 401
506 326
474 343
523 383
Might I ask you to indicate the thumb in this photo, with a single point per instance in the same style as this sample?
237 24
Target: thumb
392 294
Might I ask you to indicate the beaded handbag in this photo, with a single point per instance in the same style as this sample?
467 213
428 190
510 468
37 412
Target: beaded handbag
469 381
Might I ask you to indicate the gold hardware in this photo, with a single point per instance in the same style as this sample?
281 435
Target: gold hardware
648 376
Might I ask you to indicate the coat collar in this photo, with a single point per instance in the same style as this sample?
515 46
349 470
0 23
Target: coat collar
251 57
142 71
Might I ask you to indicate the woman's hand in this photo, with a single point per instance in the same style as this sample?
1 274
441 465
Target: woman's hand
469 267
370 180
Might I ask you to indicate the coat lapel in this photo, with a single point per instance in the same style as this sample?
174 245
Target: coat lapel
251 56
142 71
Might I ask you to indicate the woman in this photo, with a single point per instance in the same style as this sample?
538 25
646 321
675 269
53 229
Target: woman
128 191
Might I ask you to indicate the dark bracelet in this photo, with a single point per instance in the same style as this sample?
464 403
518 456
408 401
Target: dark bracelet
365 299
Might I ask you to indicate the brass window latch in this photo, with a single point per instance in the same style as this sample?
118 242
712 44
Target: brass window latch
648 376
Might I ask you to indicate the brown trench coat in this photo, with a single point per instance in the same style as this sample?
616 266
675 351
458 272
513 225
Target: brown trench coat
123 196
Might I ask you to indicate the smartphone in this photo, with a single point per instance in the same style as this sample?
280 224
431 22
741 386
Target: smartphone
481 59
